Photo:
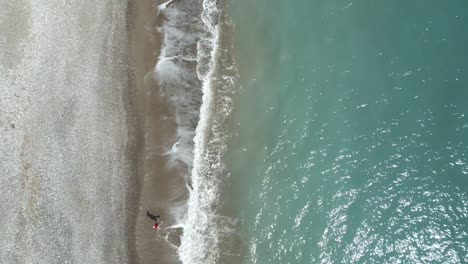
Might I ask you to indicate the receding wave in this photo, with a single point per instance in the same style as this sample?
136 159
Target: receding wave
176 72
197 74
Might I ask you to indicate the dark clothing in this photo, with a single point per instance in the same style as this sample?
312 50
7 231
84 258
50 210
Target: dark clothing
152 216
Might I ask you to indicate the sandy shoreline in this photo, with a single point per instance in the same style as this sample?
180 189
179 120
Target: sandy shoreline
161 188
83 131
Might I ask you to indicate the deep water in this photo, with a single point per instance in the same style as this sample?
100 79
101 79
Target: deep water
350 136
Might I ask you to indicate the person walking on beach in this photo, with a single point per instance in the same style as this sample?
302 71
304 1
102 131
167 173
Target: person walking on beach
155 218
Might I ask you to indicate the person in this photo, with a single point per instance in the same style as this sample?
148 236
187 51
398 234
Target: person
155 218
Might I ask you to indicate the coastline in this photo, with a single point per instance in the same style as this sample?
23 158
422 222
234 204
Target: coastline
212 221
159 185
167 75
96 140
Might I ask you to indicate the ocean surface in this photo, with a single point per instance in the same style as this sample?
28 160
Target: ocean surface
348 140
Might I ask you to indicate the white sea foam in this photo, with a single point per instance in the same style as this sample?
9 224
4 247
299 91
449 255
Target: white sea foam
199 79
176 75
208 231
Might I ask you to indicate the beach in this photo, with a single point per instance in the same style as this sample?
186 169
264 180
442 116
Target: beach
84 133
99 107
68 190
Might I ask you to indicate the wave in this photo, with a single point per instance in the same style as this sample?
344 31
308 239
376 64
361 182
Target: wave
208 230
197 74
177 76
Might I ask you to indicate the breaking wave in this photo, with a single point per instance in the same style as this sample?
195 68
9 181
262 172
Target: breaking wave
197 74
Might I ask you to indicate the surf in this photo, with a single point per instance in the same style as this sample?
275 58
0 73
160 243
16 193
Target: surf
197 74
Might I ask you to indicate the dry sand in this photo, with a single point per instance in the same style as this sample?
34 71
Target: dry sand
67 186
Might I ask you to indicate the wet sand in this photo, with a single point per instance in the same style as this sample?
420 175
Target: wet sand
162 187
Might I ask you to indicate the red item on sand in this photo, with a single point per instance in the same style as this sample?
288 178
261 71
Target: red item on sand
156 226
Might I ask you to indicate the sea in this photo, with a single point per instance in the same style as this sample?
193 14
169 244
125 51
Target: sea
327 132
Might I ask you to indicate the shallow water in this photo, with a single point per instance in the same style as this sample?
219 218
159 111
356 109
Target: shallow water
351 132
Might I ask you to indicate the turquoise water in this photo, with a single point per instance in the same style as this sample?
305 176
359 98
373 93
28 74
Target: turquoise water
351 131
